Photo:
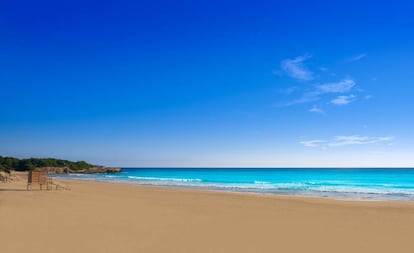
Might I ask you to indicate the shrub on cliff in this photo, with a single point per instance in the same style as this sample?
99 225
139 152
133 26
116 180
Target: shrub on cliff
80 165
10 163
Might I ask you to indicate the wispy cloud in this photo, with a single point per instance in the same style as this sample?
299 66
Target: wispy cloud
345 140
343 100
296 69
324 92
312 143
357 57
316 109
358 140
343 86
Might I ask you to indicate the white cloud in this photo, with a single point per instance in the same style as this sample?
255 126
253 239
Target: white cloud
357 57
345 140
296 69
358 140
311 143
316 109
343 86
343 100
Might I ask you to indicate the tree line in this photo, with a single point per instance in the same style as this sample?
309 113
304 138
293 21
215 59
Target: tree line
11 163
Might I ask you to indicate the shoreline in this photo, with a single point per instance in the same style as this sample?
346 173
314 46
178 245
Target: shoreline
275 196
68 183
264 193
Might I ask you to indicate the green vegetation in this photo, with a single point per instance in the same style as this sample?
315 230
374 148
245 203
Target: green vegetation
11 163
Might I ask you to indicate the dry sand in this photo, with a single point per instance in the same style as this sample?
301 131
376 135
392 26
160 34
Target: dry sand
104 217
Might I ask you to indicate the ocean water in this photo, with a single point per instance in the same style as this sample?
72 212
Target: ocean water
359 184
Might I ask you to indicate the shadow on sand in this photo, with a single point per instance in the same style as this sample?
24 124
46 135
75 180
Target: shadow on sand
13 190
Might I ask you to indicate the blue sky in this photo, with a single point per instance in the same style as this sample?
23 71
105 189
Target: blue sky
208 83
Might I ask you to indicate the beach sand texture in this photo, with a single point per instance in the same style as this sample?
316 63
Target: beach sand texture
105 217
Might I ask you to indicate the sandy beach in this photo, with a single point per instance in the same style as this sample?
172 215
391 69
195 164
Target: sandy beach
106 217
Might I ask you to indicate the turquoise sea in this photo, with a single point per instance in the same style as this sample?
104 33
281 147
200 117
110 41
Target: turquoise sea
362 184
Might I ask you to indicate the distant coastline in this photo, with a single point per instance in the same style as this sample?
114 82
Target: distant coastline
53 166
